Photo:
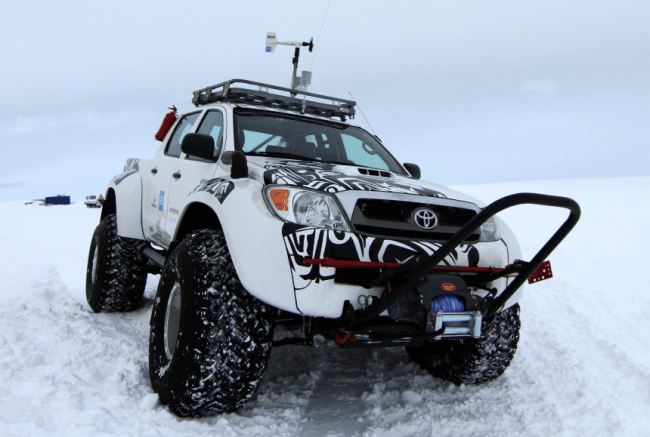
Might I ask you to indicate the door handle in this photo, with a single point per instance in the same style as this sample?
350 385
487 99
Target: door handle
177 175
154 170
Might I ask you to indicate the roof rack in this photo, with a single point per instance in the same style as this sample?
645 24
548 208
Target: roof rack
224 92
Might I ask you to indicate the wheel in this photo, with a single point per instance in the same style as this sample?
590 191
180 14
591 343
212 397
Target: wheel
210 339
116 275
474 361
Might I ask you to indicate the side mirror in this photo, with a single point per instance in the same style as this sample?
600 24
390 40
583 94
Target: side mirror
237 162
199 145
414 169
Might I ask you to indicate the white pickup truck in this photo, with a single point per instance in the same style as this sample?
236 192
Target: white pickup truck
265 209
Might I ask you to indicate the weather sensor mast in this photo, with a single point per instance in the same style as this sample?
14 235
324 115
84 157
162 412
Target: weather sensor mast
297 82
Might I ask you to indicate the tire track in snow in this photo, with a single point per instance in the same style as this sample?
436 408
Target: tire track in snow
335 407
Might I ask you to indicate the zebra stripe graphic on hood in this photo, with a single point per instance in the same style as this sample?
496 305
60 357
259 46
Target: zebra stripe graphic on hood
324 177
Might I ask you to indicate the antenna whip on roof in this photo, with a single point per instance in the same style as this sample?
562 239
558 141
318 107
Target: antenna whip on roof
364 116
318 39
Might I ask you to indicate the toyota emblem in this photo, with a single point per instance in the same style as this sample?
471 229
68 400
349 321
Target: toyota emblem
425 218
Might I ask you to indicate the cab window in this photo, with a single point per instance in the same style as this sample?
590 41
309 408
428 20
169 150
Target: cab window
183 128
212 125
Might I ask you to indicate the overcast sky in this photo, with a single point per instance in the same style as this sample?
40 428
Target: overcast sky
472 91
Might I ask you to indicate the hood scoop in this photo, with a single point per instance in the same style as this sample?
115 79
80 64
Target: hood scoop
374 172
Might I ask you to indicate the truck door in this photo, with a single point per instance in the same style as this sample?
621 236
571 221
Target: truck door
192 171
163 172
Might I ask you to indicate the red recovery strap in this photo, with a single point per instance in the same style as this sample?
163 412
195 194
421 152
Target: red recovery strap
543 272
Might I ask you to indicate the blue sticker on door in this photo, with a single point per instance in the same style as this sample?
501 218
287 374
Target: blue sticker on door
161 203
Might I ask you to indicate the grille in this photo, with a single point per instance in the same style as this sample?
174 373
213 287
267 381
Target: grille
401 211
394 219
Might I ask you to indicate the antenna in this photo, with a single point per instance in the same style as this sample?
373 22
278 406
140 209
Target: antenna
300 82
364 117
311 66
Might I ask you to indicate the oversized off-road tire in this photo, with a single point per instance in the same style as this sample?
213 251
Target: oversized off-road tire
210 339
474 361
116 275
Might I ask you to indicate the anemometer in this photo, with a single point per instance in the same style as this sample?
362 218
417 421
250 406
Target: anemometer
297 82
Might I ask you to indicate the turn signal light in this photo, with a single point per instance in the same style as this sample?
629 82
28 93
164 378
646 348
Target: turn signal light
280 199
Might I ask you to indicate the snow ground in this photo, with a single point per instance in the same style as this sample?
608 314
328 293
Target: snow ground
582 368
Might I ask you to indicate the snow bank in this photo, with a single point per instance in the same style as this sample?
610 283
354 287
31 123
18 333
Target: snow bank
582 368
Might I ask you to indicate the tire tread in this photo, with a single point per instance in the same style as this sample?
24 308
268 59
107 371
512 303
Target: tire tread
474 361
122 277
224 357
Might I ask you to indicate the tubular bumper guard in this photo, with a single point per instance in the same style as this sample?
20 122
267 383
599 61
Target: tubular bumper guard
420 266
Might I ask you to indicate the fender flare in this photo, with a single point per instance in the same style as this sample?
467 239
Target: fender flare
193 221
235 201
127 192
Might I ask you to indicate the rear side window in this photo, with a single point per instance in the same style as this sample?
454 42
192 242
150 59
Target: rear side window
212 125
183 128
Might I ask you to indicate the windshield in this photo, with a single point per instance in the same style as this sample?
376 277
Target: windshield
285 135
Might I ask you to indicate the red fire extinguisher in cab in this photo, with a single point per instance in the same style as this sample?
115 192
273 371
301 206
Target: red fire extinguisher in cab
168 122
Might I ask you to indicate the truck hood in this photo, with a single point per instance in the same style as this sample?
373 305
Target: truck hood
336 178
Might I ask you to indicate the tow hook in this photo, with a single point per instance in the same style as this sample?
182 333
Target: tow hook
344 335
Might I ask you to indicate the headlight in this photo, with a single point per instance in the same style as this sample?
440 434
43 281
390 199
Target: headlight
490 230
306 207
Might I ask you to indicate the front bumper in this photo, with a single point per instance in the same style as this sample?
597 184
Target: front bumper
321 291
